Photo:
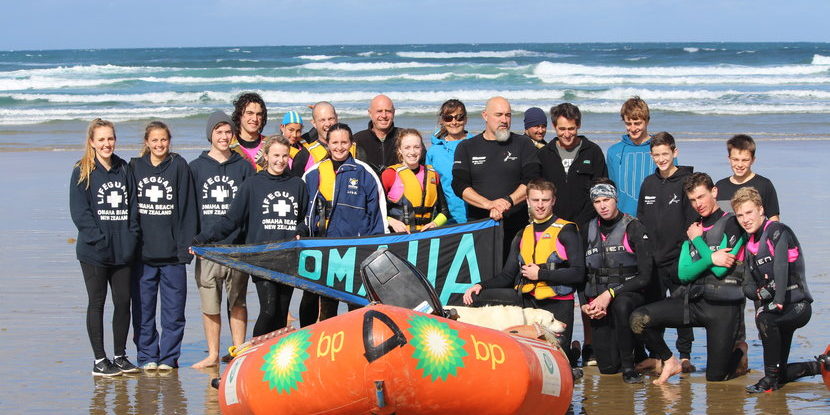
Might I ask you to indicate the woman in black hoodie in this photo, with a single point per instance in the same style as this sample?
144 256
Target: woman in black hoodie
270 207
102 203
167 215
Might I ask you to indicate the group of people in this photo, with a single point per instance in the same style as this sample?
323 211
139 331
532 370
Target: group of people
643 244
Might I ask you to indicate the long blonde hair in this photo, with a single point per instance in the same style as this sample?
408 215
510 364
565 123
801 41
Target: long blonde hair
87 162
154 125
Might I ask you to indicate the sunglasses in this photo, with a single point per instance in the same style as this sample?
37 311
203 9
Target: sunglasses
449 118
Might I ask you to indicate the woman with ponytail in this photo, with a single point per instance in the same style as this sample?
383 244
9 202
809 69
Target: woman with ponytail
102 202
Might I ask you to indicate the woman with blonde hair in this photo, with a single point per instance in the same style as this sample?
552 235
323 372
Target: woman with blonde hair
102 203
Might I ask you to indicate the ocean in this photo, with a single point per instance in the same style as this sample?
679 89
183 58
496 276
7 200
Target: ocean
694 90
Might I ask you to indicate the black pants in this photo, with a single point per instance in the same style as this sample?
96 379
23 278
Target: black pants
719 319
613 341
776 332
274 299
563 310
313 306
666 281
512 225
96 279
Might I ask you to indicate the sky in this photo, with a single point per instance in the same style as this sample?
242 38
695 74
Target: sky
81 24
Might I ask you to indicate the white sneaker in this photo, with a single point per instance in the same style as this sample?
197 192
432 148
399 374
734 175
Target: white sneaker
165 367
150 366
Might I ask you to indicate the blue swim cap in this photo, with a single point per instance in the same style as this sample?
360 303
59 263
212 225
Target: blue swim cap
292 117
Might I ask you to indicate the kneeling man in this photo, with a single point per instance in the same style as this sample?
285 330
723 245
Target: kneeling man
710 296
618 260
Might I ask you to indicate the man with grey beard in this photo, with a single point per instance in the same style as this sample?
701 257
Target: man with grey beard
491 170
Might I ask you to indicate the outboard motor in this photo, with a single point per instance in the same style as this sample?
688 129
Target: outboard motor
389 279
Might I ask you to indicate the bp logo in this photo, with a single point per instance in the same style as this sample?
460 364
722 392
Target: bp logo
285 362
438 348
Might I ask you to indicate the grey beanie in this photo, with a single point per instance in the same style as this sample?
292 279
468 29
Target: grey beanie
216 118
535 116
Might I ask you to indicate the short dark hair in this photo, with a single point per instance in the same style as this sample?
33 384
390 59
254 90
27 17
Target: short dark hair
741 142
344 127
603 180
542 185
242 101
697 179
662 139
567 110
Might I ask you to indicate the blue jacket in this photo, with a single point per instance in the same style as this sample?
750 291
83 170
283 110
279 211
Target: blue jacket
358 205
105 214
628 165
440 156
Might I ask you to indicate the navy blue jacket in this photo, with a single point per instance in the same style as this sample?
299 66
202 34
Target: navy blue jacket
105 214
166 209
270 209
359 201
217 184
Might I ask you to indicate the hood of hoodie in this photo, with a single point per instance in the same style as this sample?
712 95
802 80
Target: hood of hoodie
626 139
679 174
145 159
216 118
234 158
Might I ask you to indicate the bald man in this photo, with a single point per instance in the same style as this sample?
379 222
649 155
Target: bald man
376 144
323 116
491 170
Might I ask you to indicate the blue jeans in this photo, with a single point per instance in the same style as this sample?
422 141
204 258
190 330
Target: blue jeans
149 283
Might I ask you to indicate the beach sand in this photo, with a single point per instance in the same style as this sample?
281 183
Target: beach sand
47 358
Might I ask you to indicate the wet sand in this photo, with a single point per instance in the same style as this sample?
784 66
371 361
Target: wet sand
47 357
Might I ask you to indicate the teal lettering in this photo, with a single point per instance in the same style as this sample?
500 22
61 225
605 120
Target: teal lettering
317 258
412 254
341 268
466 252
432 265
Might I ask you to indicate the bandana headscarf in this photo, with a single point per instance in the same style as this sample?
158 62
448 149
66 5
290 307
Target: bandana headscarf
603 190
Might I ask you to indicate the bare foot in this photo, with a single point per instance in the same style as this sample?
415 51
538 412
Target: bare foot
743 364
209 361
687 366
671 367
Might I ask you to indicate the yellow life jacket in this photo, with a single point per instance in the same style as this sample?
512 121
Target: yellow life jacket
543 253
326 187
319 152
419 197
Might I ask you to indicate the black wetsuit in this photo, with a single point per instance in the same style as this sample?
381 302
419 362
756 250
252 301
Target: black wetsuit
693 306
500 290
615 343
777 277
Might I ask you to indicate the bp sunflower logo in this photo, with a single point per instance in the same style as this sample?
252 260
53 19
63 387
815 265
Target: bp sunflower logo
285 362
438 348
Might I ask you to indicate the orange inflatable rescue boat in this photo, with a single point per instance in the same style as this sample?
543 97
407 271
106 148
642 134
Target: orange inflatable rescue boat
383 359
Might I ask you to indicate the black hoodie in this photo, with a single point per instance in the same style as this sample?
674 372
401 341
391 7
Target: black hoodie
105 214
666 213
166 209
270 208
573 201
217 184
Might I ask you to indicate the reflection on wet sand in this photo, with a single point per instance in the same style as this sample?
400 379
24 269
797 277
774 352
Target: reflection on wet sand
149 392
